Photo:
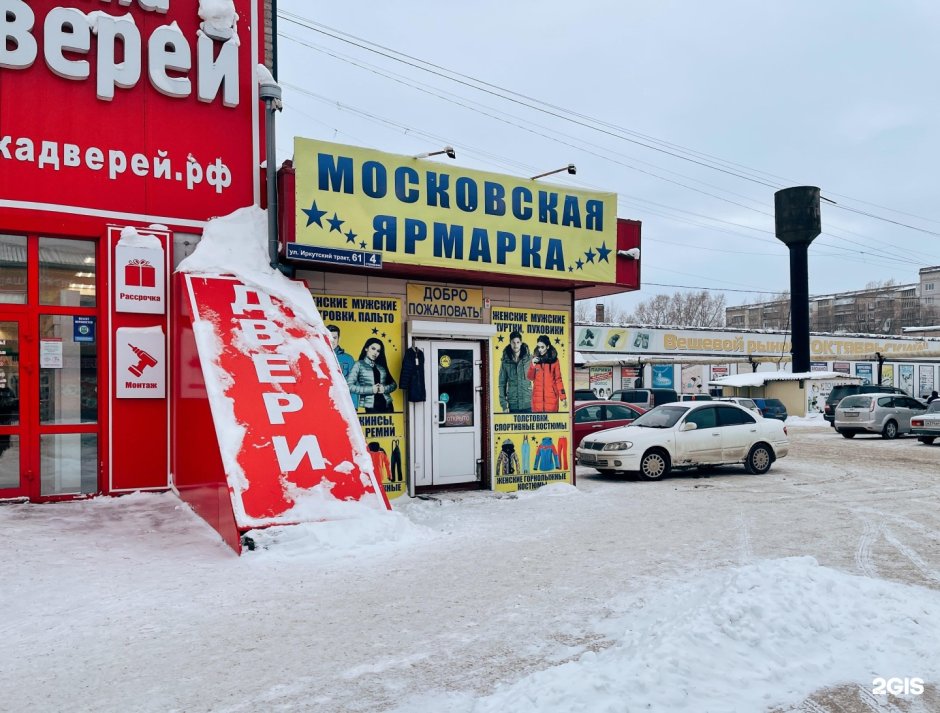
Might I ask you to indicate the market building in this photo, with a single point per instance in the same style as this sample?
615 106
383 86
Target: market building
462 283
610 357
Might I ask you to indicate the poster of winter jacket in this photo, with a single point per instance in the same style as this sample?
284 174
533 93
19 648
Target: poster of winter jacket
366 333
531 369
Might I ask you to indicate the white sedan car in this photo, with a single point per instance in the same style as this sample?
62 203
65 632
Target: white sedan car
687 435
926 426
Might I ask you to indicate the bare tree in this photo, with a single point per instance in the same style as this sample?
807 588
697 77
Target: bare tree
682 309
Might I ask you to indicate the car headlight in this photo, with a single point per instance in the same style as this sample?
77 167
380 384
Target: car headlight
618 446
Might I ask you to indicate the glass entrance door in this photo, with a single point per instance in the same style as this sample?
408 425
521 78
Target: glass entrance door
13 470
447 428
49 367
456 427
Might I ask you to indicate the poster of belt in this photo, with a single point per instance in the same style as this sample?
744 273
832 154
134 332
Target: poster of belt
532 418
366 333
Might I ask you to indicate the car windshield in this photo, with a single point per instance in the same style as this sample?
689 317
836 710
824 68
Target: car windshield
934 407
775 403
661 417
747 403
855 402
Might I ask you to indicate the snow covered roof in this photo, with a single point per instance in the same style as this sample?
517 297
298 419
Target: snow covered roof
760 378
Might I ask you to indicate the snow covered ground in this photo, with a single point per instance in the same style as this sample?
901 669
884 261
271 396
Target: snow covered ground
786 592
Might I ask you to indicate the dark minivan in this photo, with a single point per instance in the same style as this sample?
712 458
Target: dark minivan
647 398
840 391
771 408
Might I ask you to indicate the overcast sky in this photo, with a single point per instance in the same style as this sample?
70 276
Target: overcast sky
693 113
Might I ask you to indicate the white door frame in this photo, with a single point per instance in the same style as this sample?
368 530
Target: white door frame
419 414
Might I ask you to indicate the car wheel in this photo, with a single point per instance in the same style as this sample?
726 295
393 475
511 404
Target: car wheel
847 434
926 439
758 461
606 471
654 465
890 430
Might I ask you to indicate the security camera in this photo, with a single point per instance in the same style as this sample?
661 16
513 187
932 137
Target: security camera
571 169
631 254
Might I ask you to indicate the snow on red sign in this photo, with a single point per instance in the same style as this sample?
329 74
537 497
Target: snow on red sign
147 107
291 445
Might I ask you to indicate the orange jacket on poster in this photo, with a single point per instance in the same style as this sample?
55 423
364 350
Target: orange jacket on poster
547 386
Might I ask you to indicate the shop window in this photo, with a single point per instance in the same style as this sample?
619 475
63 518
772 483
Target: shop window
13 269
67 272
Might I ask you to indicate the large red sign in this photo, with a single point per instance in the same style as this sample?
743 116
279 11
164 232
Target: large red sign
291 445
140 108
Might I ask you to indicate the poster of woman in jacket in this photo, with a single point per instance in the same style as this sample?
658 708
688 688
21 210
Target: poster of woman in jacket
548 388
515 387
371 329
370 379
531 420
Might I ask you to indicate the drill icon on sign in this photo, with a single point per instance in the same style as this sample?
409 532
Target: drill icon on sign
144 358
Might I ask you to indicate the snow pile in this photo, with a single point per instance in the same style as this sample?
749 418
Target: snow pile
808 421
372 532
737 640
132 239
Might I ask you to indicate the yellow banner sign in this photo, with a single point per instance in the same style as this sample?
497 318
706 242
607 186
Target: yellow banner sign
435 301
419 212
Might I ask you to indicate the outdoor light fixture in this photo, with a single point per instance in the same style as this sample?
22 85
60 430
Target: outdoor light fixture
631 254
570 168
449 150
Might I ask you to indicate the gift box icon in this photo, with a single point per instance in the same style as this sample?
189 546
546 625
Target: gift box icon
140 273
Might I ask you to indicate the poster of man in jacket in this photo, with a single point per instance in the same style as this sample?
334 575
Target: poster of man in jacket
531 369
369 337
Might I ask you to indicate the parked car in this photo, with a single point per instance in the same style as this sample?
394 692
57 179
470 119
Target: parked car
884 413
926 426
645 398
584 395
685 435
741 401
771 408
840 391
593 416
695 397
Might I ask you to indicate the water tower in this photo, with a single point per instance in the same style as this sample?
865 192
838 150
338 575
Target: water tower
797 225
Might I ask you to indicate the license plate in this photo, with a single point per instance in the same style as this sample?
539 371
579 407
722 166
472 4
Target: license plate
588 458
851 414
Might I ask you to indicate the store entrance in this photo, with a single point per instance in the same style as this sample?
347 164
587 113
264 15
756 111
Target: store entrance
448 426
49 368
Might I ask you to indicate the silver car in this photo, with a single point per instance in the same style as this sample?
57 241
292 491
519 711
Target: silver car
887 414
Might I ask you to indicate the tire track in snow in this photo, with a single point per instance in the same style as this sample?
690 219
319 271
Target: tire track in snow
923 567
744 540
863 558
876 704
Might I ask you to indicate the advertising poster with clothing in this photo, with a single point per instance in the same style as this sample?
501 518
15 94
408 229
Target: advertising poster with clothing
863 371
664 376
925 374
366 333
887 375
602 381
906 378
532 414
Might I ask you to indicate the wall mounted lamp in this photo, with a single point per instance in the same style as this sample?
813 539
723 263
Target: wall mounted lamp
631 254
570 168
449 150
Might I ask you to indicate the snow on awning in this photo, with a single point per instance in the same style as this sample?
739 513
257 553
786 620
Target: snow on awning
759 378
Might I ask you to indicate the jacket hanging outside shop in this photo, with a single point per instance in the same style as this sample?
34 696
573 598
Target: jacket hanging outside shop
412 374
